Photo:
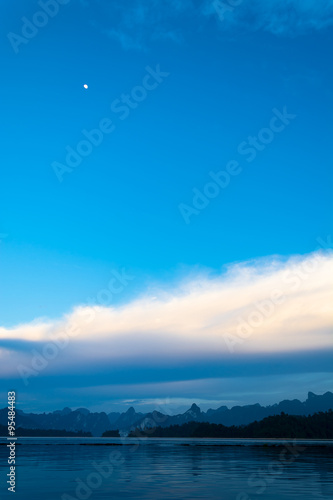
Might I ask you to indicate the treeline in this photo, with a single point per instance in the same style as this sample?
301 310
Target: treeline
21 432
111 434
317 426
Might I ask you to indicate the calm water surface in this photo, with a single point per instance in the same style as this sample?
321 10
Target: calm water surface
67 469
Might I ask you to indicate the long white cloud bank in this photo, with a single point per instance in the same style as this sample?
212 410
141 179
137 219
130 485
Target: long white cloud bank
268 306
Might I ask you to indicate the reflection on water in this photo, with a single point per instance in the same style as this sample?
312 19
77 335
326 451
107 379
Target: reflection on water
166 469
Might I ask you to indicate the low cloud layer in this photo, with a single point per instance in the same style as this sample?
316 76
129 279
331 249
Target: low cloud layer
254 310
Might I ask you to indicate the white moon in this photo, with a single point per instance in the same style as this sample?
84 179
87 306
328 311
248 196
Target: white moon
85 86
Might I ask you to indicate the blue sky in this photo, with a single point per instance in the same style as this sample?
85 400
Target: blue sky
119 211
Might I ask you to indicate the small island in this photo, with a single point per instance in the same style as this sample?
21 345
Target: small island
111 434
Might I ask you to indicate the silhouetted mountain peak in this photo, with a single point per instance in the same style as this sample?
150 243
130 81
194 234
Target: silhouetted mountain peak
218 410
194 411
130 411
66 411
327 395
195 407
83 411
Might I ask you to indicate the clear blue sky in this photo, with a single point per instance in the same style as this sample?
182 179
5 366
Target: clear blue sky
120 207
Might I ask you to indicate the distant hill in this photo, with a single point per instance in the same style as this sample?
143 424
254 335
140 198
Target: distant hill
126 419
317 426
240 415
21 432
82 420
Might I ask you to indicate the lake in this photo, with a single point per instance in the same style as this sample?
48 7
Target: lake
167 469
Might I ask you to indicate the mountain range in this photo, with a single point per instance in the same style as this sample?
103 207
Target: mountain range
83 420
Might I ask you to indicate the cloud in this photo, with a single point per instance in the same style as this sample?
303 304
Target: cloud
289 18
176 397
170 397
137 24
141 22
253 312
